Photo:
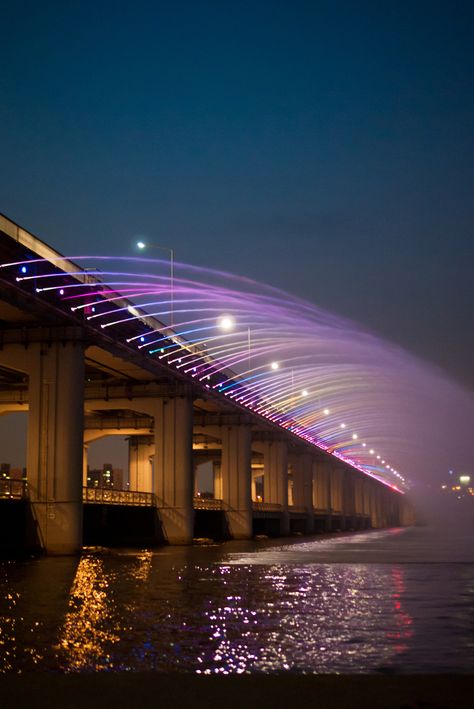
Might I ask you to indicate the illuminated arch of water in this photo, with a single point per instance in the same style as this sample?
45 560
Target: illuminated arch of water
320 376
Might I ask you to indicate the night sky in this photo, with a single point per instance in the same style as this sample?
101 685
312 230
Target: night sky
322 147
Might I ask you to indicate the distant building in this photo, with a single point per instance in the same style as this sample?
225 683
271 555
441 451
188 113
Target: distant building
107 478
459 487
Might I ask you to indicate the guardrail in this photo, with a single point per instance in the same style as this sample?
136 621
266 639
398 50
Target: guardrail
13 489
207 503
105 496
266 507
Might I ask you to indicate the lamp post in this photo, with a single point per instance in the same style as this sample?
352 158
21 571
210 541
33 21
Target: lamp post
227 323
143 245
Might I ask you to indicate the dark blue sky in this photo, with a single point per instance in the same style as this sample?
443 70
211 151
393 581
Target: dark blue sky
323 147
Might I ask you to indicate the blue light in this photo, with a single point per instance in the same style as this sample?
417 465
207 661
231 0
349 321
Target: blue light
23 269
142 339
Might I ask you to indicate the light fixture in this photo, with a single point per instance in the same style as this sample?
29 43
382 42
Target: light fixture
226 322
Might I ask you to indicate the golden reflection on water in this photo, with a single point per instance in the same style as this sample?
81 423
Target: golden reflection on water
90 626
13 649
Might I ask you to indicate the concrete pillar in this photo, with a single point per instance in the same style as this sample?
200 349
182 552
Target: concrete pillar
216 468
140 449
55 443
253 488
303 487
348 498
173 469
321 488
375 506
236 473
366 497
336 489
85 468
275 480
358 494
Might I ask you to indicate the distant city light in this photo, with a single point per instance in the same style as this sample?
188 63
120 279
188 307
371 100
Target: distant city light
326 412
274 365
355 436
343 425
371 451
304 392
141 245
464 479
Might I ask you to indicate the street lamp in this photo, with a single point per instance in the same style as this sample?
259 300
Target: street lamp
142 245
227 323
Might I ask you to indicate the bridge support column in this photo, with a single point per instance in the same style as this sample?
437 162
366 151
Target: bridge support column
173 469
322 491
85 464
140 448
303 487
236 474
348 499
55 443
336 488
275 480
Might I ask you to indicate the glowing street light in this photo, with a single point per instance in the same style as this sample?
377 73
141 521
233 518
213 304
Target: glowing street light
142 245
343 425
355 436
226 322
326 412
275 365
304 392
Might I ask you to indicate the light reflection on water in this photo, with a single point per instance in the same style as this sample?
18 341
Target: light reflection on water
241 607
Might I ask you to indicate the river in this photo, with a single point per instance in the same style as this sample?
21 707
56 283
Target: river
393 601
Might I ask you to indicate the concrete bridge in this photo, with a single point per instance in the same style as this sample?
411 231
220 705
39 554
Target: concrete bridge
79 382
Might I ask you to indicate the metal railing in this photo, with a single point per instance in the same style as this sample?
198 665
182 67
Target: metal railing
106 496
266 507
13 489
207 503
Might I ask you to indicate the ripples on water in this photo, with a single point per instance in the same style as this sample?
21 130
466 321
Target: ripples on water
362 603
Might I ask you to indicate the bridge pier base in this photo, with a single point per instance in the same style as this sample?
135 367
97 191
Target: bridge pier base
236 475
173 469
55 447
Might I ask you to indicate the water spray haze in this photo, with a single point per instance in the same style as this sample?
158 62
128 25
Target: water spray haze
323 377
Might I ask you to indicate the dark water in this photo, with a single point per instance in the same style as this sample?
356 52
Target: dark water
399 601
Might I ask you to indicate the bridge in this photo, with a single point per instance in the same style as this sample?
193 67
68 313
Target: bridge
79 381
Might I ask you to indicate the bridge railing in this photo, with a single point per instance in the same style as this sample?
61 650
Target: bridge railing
106 496
266 507
207 503
13 489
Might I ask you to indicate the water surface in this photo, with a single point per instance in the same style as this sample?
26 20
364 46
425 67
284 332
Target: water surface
399 601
